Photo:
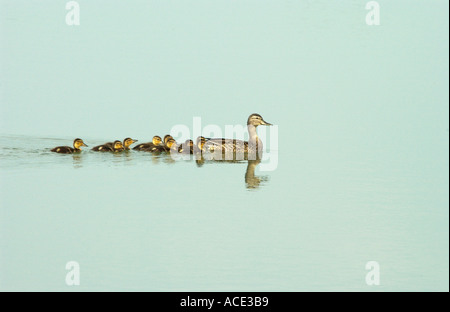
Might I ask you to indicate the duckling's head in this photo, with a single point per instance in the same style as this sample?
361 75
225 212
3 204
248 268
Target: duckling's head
156 140
189 143
170 143
200 142
166 138
128 141
256 120
117 145
77 143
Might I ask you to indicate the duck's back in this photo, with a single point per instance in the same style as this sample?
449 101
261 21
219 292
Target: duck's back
63 150
231 145
144 146
103 148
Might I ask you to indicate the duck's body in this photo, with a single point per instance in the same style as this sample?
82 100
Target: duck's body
152 146
253 145
65 150
107 147
228 145
146 147
77 143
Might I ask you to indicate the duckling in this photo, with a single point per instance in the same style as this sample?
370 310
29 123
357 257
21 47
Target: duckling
200 143
109 146
166 138
77 143
150 146
187 147
127 142
168 146
115 146
171 145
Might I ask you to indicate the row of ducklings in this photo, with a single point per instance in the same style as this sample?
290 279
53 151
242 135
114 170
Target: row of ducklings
157 145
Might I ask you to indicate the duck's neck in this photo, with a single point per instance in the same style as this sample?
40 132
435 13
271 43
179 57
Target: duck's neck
252 135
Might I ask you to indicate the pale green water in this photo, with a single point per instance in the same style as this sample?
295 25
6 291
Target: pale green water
363 149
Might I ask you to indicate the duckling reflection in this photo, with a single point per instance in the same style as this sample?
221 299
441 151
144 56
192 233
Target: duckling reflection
77 160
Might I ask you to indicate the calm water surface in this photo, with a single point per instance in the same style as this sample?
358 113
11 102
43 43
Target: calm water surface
140 222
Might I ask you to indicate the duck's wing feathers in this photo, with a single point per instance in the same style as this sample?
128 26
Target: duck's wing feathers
225 145
143 146
103 148
63 149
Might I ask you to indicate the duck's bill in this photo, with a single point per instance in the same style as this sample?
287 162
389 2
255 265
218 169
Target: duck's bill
265 123
84 144
134 141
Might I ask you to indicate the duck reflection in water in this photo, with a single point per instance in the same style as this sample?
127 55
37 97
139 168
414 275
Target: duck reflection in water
77 160
252 181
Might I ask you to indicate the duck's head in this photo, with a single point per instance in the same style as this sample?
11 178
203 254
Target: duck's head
170 143
166 138
189 143
257 120
77 143
117 145
128 141
156 140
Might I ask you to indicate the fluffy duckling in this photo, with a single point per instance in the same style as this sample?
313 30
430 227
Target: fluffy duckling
109 146
166 138
150 146
127 142
77 143
187 147
171 145
199 146
115 146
